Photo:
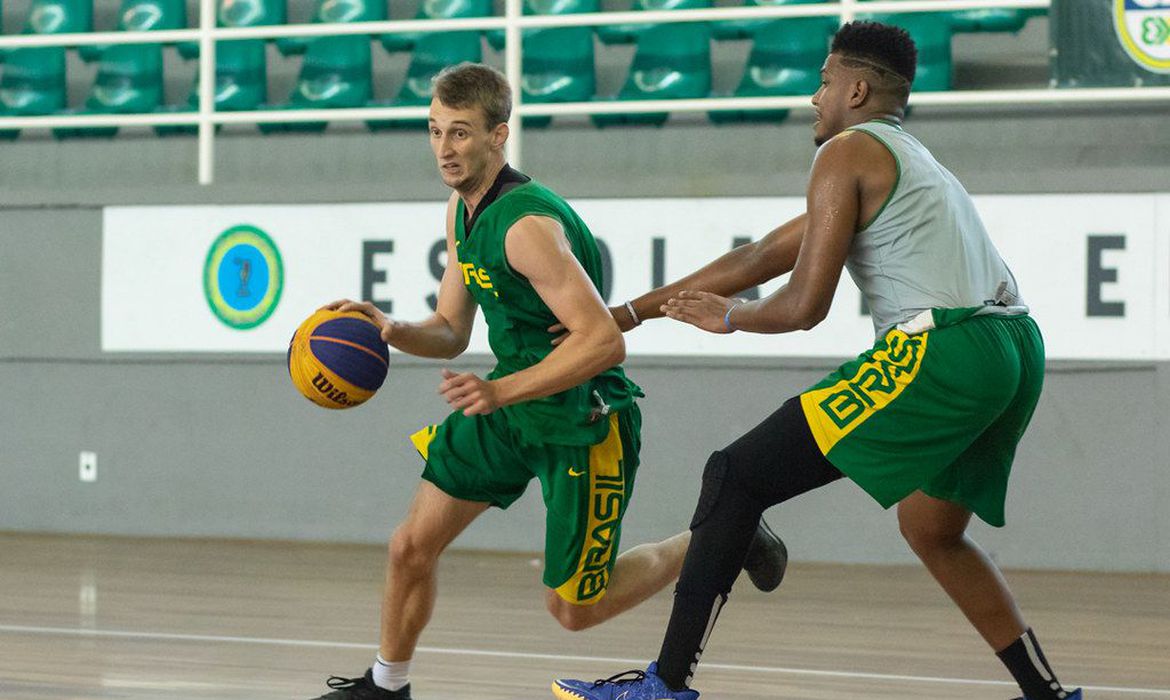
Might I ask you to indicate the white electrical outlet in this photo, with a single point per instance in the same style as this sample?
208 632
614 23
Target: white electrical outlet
87 466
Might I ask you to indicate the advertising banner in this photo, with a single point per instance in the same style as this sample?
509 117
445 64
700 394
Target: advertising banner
1095 270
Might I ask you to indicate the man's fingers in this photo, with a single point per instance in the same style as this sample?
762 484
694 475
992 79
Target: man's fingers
556 328
478 408
334 305
466 401
450 383
453 387
683 313
458 401
360 306
456 385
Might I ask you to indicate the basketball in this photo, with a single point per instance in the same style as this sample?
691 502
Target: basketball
337 360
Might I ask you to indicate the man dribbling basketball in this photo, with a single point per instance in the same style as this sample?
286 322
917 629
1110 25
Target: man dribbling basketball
564 414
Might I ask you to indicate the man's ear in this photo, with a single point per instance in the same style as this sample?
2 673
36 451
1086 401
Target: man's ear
500 135
860 93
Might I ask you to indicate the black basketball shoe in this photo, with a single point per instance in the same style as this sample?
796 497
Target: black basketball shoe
767 559
362 689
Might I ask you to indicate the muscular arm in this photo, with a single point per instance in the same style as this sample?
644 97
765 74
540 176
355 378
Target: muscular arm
446 332
536 248
743 267
834 208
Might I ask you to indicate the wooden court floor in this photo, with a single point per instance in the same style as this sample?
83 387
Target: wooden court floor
174 619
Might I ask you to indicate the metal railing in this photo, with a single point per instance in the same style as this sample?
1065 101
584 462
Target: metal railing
513 22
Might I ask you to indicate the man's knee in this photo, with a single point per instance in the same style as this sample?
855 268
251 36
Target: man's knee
574 618
715 476
409 551
925 534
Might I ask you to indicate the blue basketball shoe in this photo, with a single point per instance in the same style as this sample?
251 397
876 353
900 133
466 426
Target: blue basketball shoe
631 685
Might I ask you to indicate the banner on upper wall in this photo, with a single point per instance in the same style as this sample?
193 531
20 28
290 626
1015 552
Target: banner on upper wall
1094 268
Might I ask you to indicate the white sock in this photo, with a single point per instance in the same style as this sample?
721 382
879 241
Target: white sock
391 675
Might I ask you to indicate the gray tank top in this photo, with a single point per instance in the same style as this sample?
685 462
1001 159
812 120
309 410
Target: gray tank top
926 248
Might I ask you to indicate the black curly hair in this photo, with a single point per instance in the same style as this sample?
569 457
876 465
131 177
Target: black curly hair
883 47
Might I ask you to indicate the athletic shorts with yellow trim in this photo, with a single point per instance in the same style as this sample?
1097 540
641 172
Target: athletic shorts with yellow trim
941 412
586 489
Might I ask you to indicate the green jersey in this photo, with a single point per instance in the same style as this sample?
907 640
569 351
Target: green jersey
518 319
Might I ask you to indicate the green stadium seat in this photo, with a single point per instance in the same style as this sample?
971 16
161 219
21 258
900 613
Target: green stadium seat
495 37
241 73
432 53
142 16
995 19
130 76
33 81
329 11
129 81
785 60
33 84
932 33
627 33
672 61
59 17
558 63
241 13
738 29
558 67
436 9
241 67
336 74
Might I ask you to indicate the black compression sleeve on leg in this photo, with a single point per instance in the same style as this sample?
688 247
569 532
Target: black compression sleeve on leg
776 460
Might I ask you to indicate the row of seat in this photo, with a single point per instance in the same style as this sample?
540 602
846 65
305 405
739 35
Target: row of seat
671 61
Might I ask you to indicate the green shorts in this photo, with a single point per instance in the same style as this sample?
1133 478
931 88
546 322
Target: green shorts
586 489
941 412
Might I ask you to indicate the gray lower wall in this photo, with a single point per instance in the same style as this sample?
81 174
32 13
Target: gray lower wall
222 445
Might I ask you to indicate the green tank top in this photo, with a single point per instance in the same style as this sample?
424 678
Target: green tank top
518 319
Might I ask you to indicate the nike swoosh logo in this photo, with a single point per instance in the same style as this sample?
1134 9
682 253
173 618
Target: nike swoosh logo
576 473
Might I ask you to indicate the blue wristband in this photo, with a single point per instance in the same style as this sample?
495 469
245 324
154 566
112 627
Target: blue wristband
727 318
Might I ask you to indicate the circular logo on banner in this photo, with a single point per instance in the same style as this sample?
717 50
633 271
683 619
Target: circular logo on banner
1143 27
243 277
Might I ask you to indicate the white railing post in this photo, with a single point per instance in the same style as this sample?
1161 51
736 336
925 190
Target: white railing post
207 76
848 11
513 69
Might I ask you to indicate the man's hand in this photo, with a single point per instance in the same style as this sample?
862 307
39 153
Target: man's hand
700 309
375 314
474 395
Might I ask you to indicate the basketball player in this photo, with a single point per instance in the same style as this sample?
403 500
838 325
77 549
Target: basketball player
566 415
928 418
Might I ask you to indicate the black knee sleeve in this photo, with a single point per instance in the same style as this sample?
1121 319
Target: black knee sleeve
714 476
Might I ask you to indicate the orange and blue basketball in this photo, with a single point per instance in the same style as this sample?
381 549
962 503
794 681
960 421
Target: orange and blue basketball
337 360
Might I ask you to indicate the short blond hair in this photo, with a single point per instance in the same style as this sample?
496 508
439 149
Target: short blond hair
476 85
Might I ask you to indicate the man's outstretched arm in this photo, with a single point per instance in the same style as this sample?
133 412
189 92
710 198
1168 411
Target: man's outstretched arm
834 203
744 267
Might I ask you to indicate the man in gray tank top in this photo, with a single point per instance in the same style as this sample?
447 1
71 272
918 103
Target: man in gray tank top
927 419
